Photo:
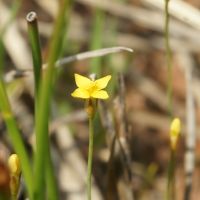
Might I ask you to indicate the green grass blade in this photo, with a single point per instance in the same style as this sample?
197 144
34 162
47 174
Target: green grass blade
37 65
44 100
16 138
11 124
96 42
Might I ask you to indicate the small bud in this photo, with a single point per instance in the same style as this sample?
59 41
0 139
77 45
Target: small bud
90 107
175 130
15 171
175 127
14 165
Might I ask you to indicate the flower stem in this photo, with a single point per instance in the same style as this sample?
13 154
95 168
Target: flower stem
90 155
168 59
171 176
14 187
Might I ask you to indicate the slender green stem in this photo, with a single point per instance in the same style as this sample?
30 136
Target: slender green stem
169 60
37 60
37 64
44 101
16 138
90 155
171 176
170 195
36 49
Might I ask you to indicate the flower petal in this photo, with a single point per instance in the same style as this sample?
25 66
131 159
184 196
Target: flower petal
175 128
100 94
80 93
83 82
102 82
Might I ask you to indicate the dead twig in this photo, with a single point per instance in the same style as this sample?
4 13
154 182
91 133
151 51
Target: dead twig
187 64
119 149
81 56
143 17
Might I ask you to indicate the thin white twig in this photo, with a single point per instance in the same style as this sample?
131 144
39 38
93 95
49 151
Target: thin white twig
190 135
187 63
81 56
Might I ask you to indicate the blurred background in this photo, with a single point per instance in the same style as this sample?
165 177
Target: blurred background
137 110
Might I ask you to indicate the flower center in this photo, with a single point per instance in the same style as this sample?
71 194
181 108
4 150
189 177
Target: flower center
92 88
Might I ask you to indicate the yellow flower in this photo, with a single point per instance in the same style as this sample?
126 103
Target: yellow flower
88 88
175 130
